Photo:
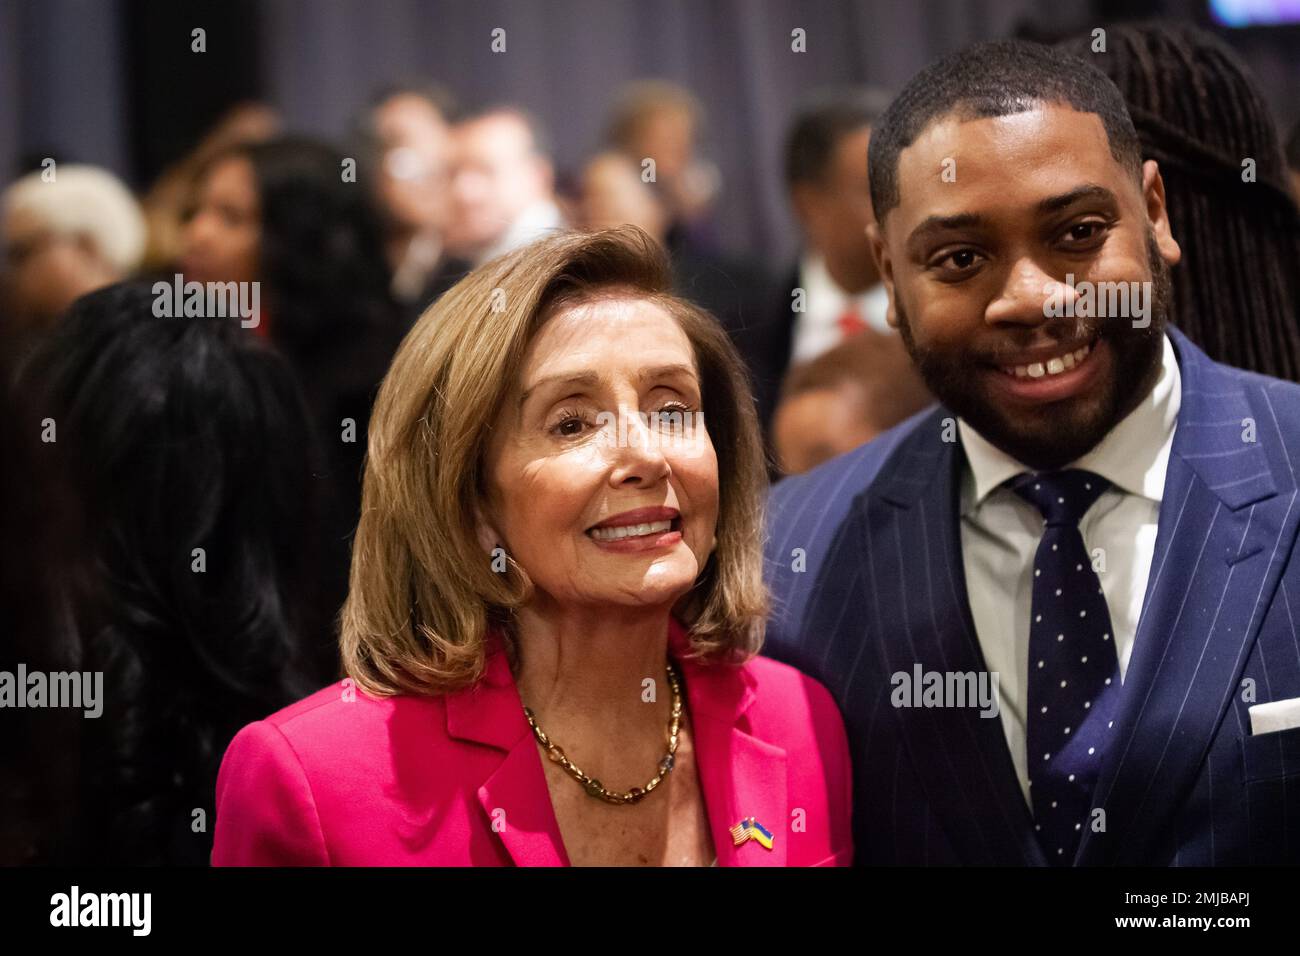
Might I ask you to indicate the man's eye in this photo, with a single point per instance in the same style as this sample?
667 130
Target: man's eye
960 260
1083 232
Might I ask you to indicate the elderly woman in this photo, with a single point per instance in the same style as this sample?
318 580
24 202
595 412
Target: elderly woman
556 603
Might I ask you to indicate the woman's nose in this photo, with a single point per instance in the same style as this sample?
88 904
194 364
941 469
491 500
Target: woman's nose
637 450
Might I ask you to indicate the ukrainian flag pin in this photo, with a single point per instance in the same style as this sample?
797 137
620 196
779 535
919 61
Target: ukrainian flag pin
750 829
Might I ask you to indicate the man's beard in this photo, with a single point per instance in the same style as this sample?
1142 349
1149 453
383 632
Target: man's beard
1066 430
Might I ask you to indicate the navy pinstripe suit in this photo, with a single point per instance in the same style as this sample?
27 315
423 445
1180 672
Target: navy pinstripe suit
1183 781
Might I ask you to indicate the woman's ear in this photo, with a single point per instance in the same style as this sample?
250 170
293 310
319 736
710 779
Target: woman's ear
488 538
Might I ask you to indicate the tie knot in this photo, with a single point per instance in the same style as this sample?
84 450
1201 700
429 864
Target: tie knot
1062 496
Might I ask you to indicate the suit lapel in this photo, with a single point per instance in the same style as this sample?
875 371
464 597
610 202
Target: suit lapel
740 775
912 550
1225 516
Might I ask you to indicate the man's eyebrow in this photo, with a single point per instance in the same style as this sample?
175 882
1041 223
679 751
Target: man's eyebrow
942 223
591 378
1064 200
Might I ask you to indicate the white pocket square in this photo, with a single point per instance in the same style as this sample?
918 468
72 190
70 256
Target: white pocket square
1274 716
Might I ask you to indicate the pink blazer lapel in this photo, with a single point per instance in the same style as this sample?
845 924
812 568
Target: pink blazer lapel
740 775
517 802
514 798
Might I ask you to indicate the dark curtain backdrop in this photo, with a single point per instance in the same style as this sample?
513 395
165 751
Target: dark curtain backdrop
564 59
112 82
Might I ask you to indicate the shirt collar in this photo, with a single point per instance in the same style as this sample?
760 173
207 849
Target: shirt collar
825 301
1127 457
537 220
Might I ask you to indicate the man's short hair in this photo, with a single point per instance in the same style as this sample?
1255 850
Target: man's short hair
999 78
537 131
435 94
821 122
639 101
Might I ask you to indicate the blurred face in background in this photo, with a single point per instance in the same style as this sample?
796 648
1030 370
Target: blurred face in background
613 194
497 174
567 488
667 135
222 236
416 162
836 211
819 424
46 271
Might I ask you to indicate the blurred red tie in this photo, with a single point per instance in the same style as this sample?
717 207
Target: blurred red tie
850 323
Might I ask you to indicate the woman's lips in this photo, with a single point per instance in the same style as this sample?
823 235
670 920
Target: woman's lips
645 536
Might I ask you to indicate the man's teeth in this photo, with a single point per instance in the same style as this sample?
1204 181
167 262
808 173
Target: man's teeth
1053 366
630 530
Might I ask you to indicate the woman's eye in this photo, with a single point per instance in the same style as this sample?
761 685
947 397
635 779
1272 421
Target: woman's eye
569 427
676 416
570 423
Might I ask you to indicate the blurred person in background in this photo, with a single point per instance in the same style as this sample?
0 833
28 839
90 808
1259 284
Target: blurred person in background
40 538
1200 115
662 121
166 202
407 129
173 434
502 185
1293 159
834 291
279 213
613 192
843 399
77 232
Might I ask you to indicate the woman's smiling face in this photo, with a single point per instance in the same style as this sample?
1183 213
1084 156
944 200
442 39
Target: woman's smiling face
603 435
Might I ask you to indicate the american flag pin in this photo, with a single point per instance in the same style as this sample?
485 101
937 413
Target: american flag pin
750 829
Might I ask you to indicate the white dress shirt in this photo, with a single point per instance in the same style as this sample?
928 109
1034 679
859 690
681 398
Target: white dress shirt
538 220
816 329
1000 532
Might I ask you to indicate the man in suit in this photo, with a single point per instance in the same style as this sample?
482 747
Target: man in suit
1059 610
834 291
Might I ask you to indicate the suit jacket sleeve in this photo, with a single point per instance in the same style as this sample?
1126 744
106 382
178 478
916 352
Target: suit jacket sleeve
266 813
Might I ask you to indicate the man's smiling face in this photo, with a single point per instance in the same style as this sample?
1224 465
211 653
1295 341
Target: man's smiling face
974 259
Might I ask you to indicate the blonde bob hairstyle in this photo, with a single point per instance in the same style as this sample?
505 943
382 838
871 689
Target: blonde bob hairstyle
423 592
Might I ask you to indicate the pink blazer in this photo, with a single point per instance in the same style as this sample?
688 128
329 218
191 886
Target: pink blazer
457 779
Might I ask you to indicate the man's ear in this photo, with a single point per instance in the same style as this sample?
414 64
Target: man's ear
884 266
1153 193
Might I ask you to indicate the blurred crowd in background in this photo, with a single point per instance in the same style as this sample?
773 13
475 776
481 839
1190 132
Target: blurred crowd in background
239 438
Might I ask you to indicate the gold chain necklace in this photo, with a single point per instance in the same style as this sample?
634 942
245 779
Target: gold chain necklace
593 786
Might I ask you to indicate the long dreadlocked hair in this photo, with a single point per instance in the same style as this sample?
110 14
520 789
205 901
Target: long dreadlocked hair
1199 114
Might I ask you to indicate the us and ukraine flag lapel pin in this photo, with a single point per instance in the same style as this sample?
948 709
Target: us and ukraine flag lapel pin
750 829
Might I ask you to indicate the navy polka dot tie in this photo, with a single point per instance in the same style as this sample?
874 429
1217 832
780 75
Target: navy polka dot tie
1073 669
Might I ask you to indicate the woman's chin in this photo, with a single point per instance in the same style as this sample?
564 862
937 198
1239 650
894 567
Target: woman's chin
665 580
